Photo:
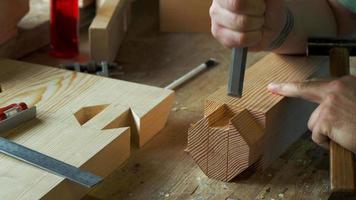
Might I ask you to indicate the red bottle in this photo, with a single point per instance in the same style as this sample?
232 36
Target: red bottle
64 28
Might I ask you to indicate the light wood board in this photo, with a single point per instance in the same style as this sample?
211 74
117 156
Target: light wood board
108 29
237 133
83 120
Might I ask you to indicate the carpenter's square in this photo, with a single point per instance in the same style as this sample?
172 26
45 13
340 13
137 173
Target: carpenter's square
237 72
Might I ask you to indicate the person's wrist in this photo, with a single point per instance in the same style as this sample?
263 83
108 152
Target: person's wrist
285 31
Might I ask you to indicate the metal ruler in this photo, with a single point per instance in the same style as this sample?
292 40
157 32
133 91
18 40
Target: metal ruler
47 163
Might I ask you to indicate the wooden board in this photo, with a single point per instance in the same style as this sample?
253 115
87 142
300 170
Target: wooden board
108 29
82 119
35 23
16 9
85 3
238 133
185 15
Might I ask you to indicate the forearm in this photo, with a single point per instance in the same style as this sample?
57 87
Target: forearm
312 18
346 20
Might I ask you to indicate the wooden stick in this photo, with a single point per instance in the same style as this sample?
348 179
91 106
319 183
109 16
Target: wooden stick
342 171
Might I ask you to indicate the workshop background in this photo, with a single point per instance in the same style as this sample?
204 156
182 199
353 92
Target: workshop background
158 46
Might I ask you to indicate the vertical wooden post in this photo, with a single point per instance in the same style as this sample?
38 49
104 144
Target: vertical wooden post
342 171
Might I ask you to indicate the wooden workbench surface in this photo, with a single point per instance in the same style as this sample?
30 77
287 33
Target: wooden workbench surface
162 169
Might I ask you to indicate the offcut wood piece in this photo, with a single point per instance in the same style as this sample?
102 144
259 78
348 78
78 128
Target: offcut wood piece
83 120
85 3
33 25
108 29
184 15
254 130
99 3
11 12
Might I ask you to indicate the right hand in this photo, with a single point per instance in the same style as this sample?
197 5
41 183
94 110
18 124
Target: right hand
334 119
247 23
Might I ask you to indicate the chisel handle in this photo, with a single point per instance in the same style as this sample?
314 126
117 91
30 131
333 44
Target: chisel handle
342 170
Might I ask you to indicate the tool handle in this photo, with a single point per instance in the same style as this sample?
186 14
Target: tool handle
342 170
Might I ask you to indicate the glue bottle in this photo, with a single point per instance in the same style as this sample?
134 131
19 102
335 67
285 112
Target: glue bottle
64 28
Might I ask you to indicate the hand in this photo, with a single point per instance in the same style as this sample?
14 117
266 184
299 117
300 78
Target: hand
246 23
335 117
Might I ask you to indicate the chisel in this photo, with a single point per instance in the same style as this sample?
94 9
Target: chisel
237 72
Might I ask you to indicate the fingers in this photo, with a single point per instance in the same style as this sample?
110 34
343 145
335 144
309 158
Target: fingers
313 91
246 7
237 23
233 21
320 139
321 124
230 38
313 118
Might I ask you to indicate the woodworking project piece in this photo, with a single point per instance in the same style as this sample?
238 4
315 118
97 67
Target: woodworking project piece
11 12
108 29
83 120
35 23
254 130
84 3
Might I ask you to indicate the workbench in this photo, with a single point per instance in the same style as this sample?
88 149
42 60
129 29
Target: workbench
163 169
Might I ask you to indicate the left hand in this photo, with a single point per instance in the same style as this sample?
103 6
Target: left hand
335 117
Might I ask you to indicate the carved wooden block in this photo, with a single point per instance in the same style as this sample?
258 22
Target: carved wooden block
237 133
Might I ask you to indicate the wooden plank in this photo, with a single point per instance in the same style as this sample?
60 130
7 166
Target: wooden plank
35 23
185 15
16 9
108 29
85 3
83 120
277 121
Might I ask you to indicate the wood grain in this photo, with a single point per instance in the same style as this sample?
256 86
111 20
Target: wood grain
83 120
108 29
259 126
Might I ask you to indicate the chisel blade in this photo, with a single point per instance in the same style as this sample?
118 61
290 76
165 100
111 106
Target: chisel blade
47 163
237 72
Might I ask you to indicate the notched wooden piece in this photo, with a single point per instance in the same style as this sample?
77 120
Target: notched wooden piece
86 113
100 142
237 133
225 143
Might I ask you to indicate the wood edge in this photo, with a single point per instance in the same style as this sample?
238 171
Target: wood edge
101 27
98 164
149 125
101 164
342 169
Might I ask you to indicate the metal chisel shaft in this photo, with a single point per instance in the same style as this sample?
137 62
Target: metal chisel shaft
237 71
47 163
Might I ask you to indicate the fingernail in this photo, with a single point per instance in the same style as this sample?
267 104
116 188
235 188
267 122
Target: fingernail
274 87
